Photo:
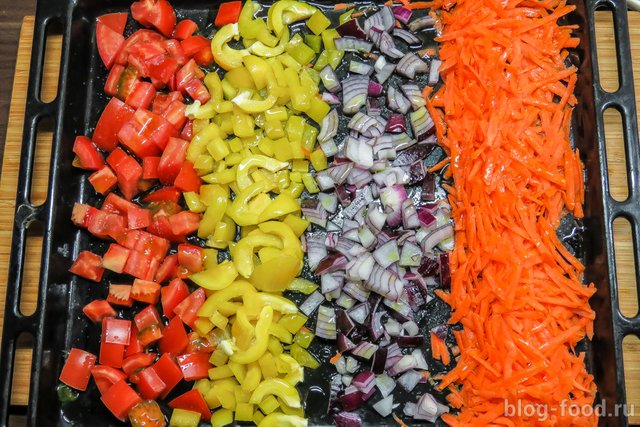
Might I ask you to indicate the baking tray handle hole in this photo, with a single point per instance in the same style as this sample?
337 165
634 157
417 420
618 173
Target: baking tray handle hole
29 288
631 354
624 250
51 62
21 372
605 34
41 161
617 165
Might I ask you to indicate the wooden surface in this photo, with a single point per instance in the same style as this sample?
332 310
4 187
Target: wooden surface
8 182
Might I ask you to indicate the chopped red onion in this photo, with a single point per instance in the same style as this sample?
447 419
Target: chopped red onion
329 126
384 19
364 350
330 264
422 124
429 409
352 364
375 218
360 68
375 328
331 282
421 362
411 255
383 69
404 364
362 199
410 65
338 173
415 297
411 328
366 236
351 29
434 72
368 126
405 341
361 268
331 98
384 283
413 154
330 79
392 198
344 322
402 14
406 36
344 343
428 188
326 323
359 313
399 310
444 270
347 419
341 366
311 303
414 95
356 290
375 89
329 202
354 93
410 409
422 22
427 220
396 124
385 43
409 380
396 101
436 236
364 381
409 214
385 406
329 148
392 327
316 250
385 384
352 399
352 44
314 212
387 253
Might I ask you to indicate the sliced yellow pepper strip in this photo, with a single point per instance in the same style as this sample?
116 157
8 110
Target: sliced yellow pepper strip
216 299
217 278
277 419
244 250
282 205
278 388
259 346
260 161
247 104
291 242
239 210
225 56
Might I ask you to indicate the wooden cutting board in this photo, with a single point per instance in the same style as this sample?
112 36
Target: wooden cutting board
9 178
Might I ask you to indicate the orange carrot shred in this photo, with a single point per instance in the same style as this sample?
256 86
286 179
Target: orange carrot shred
334 359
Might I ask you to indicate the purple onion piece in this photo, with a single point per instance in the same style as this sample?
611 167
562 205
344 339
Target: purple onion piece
374 105
415 297
375 88
410 65
345 344
351 28
364 381
352 399
441 331
402 14
420 23
406 36
428 187
384 20
392 198
396 124
429 267
347 419
379 361
375 328
436 236
445 270
422 124
413 154
416 172
427 220
429 409
405 341
331 263
344 323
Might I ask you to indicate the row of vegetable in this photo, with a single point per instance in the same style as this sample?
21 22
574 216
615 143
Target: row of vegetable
260 164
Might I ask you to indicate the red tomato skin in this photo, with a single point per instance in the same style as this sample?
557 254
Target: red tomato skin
138 264
190 257
165 194
98 310
138 218
204 57
109 43
162 101
103 180
149 384
88 265
114 116
174 337
192 401
228 13
116 21
150 167
172 160
142 95
188 179
119 399
135 346
156 13
106 376
77 369
187 310
175 114
172 295
184 29
169 371
197 90
145 291
166 271
88 155
194 44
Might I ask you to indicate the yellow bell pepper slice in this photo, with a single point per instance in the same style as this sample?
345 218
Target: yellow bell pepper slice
261 49
282 205
242 330
225 56
244 100
259 346
276 274
252 377
277 419
254 303
290 241
216 299
216 278
260 161
239 210
279 388
244 250
260 72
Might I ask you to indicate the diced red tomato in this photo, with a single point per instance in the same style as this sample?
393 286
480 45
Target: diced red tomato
106 376
115 258
116 331
187 131
120 398
149 325
103 180
167 269
137 362
172 160
113 80
139 37
194 44
146 134
142 95
204 58
127 83
137 264
164 194
188 72
174 337
129 173
184 223
98 310
150 167
156 13
138 218
116 157
190 257
135 346
120 295
187 310
192 401
184 29
153 268
111 354
77 369
150 385
175 51
116 21
160 226
168 370
145 291
80 213
114 203
197 90
187 179
162 101
172 295
147 414
175 114
151 245
114 116
88 155
103 224
109 43
88 265
198 344
161 69
228 13
194 366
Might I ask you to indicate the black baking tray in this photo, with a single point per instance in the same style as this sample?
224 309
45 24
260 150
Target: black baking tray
58 324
